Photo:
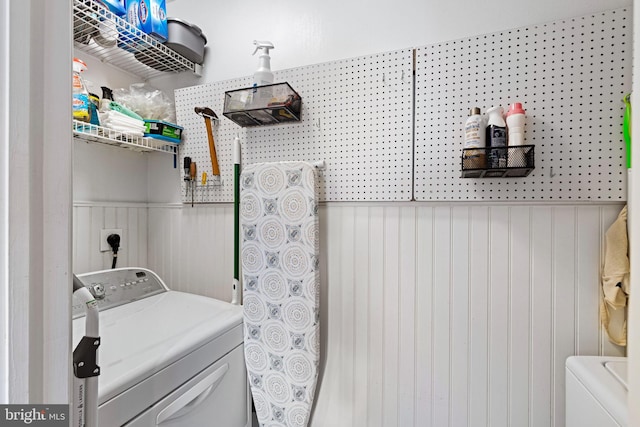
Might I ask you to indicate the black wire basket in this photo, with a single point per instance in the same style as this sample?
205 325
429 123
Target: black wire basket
498 162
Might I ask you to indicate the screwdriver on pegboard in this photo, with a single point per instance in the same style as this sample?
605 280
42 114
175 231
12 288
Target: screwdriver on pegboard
192 176
204 184
186 165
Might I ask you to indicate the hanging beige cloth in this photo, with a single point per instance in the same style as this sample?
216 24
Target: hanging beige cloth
615 280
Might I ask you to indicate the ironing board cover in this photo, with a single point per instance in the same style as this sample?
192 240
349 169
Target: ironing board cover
279 223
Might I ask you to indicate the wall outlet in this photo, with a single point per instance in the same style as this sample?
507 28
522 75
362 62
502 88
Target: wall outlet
104 233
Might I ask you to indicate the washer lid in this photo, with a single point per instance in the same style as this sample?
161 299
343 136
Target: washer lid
605 378
618 369
143 337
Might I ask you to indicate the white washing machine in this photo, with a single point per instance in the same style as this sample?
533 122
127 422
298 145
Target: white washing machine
596 392
167 358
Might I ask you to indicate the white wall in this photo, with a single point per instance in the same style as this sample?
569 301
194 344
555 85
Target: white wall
408 339
90 218
311 32
432 314
105 173
102 172
304 33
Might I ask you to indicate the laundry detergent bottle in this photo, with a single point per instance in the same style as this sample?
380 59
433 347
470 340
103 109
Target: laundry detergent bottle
80 92
515 124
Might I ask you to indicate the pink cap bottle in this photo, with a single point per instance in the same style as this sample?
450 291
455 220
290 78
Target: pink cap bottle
515 108
515 123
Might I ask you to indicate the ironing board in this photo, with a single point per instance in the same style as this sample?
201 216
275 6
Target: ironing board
279 223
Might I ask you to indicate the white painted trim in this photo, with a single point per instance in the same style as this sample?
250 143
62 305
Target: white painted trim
633 338
18 250
110 205
35 215
4 202
86 204
178 205
56 141
472 203
173 205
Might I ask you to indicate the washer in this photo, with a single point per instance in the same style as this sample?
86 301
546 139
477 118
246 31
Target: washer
167 358
597 391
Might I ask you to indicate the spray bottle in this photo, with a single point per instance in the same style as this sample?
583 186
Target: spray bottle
263 75
80 93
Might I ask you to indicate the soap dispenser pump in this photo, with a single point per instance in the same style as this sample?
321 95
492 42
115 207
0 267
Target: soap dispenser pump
263 75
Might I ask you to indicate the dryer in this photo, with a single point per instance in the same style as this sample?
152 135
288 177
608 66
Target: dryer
167 358
596 392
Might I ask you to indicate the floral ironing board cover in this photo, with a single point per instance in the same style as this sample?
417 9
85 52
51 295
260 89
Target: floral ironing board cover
280 249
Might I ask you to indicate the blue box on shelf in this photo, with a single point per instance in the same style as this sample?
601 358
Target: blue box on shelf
162 130
117 7
158 27
129 38
134 14
150 16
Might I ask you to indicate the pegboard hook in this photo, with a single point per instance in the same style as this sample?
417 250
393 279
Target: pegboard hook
317 124
320 165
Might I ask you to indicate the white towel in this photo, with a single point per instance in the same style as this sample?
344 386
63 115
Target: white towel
122 123
117 116
615 280
126 129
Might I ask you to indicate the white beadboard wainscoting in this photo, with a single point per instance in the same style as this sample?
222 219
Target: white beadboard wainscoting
433 314
90 218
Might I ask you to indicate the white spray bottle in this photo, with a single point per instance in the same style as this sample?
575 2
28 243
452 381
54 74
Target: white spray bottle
263 75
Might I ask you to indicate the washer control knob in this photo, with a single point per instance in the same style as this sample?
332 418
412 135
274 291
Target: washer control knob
98 290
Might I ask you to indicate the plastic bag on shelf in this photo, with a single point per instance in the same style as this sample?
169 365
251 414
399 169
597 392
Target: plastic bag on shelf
147 101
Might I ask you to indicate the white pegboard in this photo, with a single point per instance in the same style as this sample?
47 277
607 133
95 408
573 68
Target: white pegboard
356 115
570 75
195 143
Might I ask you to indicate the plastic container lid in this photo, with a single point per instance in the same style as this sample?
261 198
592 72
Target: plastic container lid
197 31
515 108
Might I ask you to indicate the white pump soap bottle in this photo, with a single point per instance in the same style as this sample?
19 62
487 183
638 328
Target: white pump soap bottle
263 75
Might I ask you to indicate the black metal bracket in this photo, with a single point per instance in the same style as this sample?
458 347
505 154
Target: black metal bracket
85 356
